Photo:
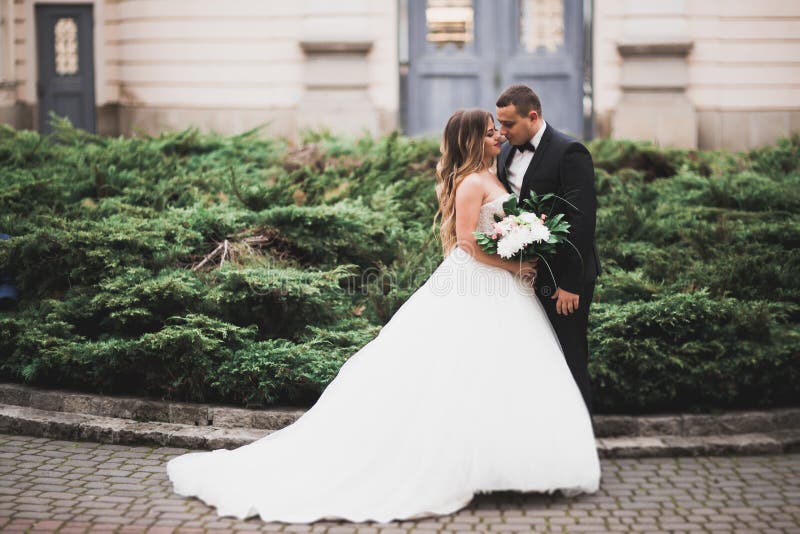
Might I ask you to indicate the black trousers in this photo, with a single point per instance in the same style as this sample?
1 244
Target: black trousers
571 332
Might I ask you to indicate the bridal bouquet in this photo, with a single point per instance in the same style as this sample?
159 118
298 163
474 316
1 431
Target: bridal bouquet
527 232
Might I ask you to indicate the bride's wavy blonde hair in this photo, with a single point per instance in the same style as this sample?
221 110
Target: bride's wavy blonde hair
462 150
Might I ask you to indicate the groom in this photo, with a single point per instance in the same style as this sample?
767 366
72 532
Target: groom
539 158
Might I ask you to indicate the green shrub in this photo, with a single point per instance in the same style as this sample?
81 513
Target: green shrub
346 232
281 370
281 302
243 269
691 351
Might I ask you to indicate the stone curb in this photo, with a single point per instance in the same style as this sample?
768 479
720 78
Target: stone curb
274 418
74 426
82 427
129 420
781 441
141 409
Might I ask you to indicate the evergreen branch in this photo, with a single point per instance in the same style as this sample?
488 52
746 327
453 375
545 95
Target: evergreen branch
208 257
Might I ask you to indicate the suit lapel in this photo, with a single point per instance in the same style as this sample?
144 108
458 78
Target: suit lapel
524 189
502 165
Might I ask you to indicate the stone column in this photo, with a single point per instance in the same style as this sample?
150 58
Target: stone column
337 42
7 85
654 105
336 88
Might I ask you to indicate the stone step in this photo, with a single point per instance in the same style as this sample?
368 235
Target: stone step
274 418
148 410
86 427
774 442
74 426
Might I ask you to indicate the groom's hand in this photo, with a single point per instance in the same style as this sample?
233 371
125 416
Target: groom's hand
567 302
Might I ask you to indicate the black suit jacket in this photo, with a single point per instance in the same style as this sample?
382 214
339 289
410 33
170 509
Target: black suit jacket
562 165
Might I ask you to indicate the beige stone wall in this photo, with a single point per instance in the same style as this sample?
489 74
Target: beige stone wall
234 65
743 69
7 35
231 66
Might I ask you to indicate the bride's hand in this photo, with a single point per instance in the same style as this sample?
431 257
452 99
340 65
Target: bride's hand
526 270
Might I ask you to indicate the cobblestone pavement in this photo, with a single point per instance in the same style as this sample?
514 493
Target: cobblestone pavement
49 485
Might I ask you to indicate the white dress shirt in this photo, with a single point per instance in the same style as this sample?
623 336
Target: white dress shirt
521 162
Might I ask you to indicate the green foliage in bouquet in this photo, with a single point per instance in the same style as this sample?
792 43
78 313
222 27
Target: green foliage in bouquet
246 269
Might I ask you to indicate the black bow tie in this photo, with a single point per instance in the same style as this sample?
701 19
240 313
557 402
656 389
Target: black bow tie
526 146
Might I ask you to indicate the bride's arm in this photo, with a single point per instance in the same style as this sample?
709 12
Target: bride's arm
469 198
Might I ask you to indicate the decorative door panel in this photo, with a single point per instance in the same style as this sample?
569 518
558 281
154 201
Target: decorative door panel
65 53
546 51
463 53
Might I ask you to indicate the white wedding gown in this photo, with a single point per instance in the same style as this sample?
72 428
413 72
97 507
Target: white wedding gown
465 390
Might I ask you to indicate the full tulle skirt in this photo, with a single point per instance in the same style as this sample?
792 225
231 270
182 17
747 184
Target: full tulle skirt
465 390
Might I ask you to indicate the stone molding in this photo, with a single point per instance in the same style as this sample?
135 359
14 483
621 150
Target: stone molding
337 83
654 105
637 47
336 47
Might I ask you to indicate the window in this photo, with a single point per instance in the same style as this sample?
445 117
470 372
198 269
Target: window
66 31
449 21
541 25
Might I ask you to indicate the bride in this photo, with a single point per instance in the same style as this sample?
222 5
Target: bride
465 390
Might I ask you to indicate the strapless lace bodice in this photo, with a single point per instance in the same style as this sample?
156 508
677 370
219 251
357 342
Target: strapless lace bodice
488 211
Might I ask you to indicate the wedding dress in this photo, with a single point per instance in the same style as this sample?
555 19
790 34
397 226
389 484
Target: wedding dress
465 390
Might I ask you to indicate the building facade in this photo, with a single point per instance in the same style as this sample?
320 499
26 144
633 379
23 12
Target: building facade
704 73
685 73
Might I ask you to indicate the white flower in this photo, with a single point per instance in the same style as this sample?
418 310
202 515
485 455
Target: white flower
511 243
516 238
539 232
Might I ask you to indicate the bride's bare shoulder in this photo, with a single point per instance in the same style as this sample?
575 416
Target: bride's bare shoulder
473 185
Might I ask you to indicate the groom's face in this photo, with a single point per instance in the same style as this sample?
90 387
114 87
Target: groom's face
518 129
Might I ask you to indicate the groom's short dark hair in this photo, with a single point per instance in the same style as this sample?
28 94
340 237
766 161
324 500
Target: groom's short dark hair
523 98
